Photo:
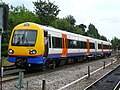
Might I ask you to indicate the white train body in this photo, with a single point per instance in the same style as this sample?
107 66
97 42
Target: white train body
31 43
94 50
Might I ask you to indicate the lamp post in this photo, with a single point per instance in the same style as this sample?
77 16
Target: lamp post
117 51
1 69
1 30
4 9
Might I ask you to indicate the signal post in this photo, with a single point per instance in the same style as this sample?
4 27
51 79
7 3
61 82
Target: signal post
3 26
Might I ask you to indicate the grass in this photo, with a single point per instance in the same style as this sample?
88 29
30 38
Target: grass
5 62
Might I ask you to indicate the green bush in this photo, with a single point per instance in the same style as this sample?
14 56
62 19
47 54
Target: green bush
4 49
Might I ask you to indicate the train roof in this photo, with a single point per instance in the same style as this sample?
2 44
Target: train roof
49 28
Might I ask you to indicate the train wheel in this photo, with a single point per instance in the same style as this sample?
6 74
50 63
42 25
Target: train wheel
70 60
44 67
52 64
61 62
80 59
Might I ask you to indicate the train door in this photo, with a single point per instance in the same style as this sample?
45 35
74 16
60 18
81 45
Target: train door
88 47
46 40
109 48
64 45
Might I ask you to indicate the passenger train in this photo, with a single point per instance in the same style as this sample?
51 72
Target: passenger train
34 45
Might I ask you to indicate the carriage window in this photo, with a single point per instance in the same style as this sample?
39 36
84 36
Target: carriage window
92 45
78 44
110 47
105 46
72 44
57 42
49 41
99 46
83 45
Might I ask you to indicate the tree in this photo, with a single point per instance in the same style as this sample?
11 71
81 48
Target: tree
46 11
78 30
71 19
16 16
19 15
83 27
62 24
2 3
92 31
85 34
114 42
103 38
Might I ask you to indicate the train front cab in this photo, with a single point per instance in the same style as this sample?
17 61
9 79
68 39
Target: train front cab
26 46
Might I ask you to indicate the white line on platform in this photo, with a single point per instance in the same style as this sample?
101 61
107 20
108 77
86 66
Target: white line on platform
101 77
83 77
117 86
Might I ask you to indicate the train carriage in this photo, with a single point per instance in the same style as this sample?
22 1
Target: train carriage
37 45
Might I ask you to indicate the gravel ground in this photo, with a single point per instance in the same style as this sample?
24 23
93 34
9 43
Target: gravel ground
60 78
81 85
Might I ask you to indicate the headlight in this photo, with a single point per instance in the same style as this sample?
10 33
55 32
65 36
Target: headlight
10 51
32 51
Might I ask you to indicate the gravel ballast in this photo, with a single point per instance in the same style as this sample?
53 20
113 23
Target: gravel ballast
60 78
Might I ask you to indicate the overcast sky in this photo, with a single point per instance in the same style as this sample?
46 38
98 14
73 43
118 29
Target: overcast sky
104 14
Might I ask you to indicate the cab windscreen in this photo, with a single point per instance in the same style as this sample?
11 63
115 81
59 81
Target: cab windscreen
24 38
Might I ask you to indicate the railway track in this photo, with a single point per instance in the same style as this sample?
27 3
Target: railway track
110 81
34 78
9 67
12 74
11 70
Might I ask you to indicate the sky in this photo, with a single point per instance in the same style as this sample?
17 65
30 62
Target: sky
104 14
